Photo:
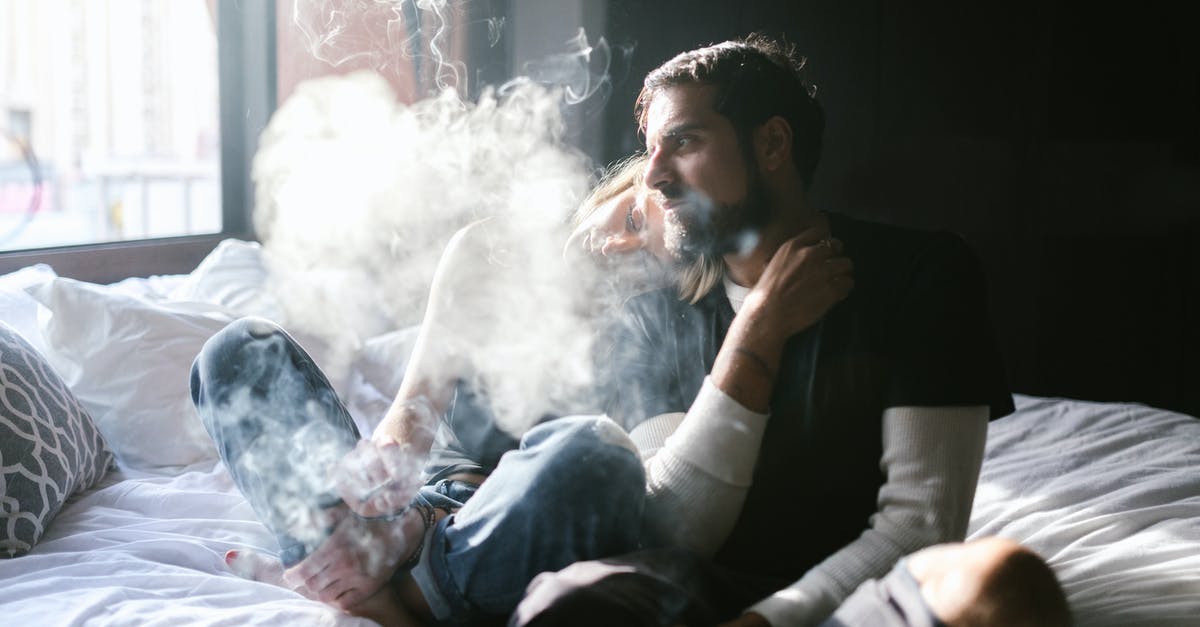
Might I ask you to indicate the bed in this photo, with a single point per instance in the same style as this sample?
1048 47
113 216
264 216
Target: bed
1108 493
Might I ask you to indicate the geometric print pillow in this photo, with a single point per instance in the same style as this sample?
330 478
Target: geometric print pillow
49 447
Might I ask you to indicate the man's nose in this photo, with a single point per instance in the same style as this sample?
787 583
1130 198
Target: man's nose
658 171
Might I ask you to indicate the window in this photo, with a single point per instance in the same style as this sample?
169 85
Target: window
111 164
137 125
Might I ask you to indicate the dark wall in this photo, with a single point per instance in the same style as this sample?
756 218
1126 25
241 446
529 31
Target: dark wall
1060 138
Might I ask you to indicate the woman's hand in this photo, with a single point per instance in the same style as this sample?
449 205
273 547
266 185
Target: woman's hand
379 478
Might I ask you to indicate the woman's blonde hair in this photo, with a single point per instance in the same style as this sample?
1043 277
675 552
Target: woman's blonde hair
698 278
693 281
620 176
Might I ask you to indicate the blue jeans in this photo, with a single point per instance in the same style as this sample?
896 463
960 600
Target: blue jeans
573 490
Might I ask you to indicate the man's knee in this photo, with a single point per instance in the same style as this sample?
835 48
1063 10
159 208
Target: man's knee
992 581
587 430
592 444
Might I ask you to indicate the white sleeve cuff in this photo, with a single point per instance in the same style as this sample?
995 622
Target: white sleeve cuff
719 436
805 602
650 435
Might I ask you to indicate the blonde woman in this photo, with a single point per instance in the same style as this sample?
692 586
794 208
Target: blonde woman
458 548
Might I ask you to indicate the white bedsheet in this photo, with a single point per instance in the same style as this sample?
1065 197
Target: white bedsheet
1109 494
148 550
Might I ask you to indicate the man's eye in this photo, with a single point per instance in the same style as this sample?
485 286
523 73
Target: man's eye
630 225
683 140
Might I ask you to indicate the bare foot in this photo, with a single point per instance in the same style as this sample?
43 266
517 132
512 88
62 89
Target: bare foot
255 566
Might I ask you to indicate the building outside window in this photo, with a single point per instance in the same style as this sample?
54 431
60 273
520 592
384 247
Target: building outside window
109 121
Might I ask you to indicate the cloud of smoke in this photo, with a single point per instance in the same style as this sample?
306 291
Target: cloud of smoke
384 35
581 71
358 194
339 31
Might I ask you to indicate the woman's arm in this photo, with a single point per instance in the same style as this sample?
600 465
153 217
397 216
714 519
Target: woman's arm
437 360
380 478
383 474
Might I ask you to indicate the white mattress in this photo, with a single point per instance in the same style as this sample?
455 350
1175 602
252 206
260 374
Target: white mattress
1109 494
148 550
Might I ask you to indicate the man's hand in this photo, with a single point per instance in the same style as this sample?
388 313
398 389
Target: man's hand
356 560
749 619
379 477
806 277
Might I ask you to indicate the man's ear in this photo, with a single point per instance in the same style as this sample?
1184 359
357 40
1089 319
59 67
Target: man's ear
773 143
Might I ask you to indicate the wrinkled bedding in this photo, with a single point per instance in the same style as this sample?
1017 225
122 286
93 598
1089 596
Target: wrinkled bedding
148 550
1109 494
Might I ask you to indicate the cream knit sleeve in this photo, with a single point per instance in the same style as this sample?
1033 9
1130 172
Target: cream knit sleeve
698 469
932 457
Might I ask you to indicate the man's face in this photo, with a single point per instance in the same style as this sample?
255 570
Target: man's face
713 201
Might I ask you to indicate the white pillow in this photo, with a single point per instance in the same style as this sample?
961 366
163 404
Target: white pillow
128 360
18 308
232 276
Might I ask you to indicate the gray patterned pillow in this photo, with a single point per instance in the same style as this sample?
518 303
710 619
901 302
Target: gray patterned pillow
49 447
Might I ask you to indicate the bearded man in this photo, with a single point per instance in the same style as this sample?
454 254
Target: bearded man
829 388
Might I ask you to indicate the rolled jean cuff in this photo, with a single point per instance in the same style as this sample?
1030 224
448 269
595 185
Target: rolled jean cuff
431 579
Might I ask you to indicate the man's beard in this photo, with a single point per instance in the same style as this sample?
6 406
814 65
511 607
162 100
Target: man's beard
702 227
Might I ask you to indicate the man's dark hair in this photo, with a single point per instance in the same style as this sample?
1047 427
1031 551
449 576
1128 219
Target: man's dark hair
755 78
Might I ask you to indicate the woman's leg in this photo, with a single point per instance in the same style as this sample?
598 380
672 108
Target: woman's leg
278 426
572 491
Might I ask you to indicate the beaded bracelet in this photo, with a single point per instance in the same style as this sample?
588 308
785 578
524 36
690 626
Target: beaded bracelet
427 516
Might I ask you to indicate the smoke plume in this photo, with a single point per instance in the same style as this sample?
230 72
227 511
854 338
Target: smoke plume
358 194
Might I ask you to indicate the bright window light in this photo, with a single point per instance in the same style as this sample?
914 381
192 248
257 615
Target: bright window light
109 121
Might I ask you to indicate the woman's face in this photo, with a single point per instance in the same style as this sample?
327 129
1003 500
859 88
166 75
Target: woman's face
630 222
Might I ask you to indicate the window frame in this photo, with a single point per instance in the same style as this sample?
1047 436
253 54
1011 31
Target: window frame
247 80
